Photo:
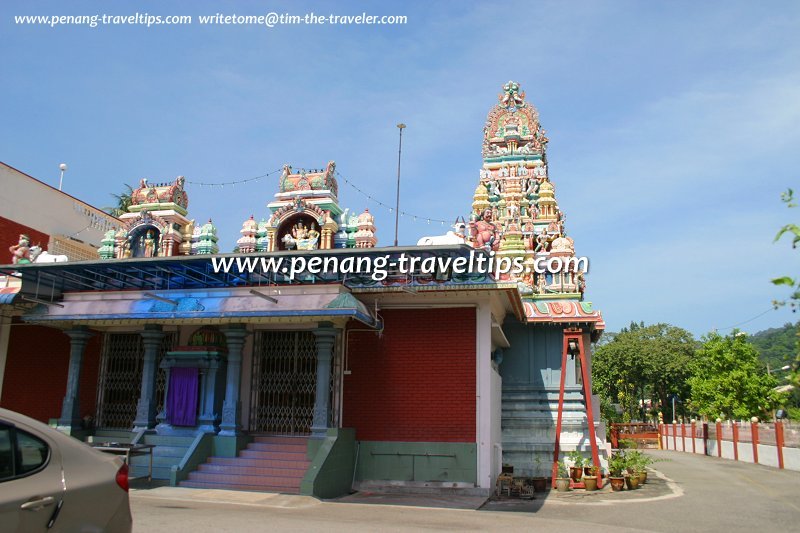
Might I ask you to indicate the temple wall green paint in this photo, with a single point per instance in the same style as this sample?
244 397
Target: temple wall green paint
332 462
407 461
198 453
229 446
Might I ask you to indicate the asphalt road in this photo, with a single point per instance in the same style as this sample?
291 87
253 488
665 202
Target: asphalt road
701 494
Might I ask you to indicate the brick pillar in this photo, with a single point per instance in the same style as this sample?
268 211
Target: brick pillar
326 338
146 408
231 425
70 408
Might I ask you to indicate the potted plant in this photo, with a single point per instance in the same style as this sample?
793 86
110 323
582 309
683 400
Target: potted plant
590 481
616 469
577 462
563 478
539 480
639 463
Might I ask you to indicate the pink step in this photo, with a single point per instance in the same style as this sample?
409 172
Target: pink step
249 470
268 464
270 447
286 456
230 486
268 439
259 463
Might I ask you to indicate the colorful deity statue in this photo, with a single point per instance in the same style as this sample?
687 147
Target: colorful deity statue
541 241
484 231
148 244
21 252
301 237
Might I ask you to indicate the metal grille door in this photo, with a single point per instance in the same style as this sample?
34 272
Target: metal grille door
121 378
284 382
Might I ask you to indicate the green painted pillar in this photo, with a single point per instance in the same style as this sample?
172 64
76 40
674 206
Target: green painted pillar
326 338
71 407
146 408
231 425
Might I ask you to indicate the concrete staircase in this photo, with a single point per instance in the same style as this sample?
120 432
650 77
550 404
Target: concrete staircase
268 464
529 427
168 451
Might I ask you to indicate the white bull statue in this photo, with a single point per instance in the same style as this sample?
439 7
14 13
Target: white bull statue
451 237
42 256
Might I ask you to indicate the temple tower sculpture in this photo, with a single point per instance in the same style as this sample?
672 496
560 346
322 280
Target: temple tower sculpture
156 224
514 209
305 215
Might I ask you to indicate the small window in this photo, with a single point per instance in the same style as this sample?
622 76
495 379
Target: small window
31 453
6 455
20 453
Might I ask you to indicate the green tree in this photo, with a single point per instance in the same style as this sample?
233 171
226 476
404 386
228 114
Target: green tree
776 346
793 230
124 201
729 381
639 362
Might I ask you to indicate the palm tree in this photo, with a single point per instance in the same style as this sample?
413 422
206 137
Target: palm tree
124 201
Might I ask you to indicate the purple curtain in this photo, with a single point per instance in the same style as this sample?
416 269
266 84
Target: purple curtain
182 397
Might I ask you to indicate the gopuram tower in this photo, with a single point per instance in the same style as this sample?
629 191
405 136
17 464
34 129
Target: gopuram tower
515 215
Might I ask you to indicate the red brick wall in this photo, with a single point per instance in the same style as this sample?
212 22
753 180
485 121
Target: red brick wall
35 379
9 235
417 382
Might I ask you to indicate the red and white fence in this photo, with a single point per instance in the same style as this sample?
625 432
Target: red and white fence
773 444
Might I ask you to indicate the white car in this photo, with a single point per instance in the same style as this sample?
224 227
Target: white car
52 482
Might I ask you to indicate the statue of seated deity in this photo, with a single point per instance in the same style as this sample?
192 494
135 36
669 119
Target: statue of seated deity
302 238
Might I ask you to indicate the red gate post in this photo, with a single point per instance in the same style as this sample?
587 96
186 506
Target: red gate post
735 441
674 436
587 394
719 438
754 429
694 434
683 436
560 411
779 441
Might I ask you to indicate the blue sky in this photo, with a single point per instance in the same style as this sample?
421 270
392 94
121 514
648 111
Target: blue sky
673 126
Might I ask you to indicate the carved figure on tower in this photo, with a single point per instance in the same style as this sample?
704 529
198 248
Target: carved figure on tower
21 252
485 232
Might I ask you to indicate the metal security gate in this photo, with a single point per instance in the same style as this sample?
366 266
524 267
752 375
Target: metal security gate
121 378
284 382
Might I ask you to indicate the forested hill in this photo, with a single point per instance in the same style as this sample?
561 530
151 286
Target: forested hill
776 346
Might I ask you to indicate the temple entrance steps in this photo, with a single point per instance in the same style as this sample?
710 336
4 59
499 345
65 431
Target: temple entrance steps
268 464
168 451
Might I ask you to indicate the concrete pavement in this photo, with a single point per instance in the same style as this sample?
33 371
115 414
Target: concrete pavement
689 493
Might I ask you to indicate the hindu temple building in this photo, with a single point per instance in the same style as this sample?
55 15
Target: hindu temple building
318 381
